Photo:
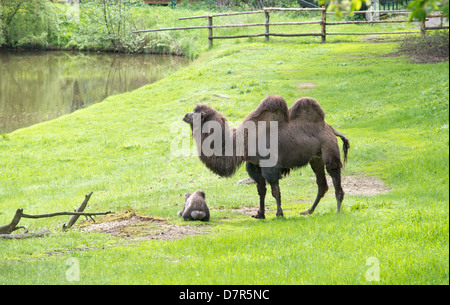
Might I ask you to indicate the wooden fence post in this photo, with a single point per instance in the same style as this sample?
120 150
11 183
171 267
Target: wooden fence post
267 20
324 23
422 28
210 31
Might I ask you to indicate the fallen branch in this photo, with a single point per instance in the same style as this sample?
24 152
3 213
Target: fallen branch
25 235
21 227
65 213
13 225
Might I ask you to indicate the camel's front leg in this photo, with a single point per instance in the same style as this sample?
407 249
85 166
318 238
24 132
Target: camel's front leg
254 171
262 195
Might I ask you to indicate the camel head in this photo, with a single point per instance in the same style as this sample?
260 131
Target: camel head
206 113
214 139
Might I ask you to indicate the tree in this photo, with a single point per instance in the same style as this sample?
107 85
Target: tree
113 22
29 23
8 9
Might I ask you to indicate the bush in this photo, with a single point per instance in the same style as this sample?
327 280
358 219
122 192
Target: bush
34 42
94 25
433 47
106 25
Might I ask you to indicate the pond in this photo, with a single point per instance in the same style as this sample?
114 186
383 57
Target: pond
41 86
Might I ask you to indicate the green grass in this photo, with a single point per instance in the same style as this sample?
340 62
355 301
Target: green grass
395 113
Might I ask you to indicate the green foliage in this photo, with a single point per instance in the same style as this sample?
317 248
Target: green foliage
2 37
105 25
420 9
109 25
93 25
340 6
31 23
34 42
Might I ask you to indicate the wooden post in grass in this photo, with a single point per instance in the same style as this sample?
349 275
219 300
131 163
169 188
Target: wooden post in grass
323 24
210 31
266 21
422 28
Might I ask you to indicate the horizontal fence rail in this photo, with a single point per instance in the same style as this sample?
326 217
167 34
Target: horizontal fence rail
323 23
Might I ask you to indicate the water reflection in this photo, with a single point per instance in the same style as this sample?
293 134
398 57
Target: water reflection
40 86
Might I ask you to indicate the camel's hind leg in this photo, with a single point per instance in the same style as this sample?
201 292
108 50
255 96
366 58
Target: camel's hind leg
277 195
318 167
335 174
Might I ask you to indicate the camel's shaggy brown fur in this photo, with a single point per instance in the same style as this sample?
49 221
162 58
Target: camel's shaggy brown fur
303 137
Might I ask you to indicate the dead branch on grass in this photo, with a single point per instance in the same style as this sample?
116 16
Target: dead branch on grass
6 230
45 231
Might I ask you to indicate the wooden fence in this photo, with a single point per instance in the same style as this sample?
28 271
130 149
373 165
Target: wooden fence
323 24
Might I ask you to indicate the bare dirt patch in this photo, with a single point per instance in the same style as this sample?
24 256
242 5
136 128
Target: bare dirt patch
375 39
140 226
247 210
352 185
356 185
361 185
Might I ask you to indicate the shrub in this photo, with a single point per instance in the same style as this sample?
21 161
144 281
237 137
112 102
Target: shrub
34 42
432 47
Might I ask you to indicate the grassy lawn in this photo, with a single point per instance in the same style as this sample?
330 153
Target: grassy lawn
394 112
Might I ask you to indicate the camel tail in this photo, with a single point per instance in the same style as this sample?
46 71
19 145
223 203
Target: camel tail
345 146
345 141
198 215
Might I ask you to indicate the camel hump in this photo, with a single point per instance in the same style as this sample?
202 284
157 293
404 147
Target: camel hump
272 108
307 109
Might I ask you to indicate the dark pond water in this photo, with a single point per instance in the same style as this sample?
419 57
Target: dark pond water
40 86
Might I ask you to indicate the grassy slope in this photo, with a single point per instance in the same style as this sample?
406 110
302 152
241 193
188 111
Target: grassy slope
394 112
